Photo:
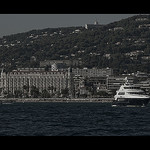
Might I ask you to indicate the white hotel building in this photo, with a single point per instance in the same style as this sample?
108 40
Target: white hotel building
38 77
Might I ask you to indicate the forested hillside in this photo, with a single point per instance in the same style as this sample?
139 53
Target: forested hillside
123 45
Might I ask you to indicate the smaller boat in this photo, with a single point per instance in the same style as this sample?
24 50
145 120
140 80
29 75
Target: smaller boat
130 95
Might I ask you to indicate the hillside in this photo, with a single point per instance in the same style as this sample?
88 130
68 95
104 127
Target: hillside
123 45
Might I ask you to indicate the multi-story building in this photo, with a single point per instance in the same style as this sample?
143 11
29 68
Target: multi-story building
53 81
99 83
145 85
114 82
94 72
61 63
77 81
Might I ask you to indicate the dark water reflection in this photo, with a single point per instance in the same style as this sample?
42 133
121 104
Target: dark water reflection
73 119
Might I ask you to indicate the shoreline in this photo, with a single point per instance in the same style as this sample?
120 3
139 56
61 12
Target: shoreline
25 100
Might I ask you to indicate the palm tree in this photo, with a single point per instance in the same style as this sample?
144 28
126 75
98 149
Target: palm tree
34 91
51 88
26 88
45 94
18 93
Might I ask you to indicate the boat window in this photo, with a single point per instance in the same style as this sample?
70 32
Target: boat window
121 93
137 93
131 87
126 87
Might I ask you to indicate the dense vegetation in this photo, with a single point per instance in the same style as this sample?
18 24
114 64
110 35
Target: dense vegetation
123 45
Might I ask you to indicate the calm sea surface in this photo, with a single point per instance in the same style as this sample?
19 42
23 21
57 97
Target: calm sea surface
73 119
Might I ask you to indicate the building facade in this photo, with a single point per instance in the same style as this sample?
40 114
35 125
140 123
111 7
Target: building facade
62 63
91 26
114 82
78 81
52 81
94 72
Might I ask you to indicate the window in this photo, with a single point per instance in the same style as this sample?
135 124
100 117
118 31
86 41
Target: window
131 87
121 93
140 93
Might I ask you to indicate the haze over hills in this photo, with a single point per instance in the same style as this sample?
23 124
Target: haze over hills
122 45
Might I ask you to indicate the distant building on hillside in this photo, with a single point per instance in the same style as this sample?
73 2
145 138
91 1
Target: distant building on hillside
61 63
91 26
33 59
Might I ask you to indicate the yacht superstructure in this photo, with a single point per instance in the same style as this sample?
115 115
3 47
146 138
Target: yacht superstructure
130 95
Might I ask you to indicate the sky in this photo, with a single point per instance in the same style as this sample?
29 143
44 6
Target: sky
18 23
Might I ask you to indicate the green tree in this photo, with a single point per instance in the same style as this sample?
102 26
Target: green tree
18 93
45 94
26 91
65 92
34 92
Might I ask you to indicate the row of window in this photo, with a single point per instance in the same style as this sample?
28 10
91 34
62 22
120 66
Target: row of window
123 93
131 87
34 79
36 83
41 73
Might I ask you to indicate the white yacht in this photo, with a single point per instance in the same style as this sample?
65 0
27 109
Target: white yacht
130 95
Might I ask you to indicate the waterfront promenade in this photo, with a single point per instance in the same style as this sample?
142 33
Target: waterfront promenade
24 100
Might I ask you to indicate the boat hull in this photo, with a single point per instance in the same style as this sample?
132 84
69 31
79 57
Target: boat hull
131 102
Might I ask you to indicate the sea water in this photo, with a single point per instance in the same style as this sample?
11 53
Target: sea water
73 119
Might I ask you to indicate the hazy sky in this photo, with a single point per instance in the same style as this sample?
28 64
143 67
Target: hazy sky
17 23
